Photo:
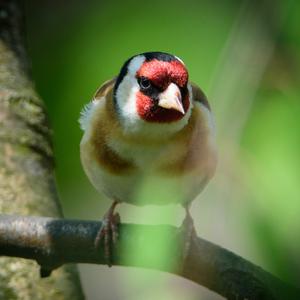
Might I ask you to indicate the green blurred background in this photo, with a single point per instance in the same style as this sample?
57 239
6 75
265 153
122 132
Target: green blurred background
246 57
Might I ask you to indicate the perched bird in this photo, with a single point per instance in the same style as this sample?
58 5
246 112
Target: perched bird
149 121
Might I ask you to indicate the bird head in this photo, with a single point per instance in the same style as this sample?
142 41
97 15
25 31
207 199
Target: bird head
153 88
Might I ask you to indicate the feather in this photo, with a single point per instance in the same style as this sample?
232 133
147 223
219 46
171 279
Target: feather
86 112
85 115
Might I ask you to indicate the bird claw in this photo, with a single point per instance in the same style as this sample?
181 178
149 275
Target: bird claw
108 234
188 233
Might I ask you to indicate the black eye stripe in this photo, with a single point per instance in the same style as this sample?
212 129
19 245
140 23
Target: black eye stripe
183 90
144 83
148 88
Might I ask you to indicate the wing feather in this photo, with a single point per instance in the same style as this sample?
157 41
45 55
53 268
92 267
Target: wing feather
199 96
100 94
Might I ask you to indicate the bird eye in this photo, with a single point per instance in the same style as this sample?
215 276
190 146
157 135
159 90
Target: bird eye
144 83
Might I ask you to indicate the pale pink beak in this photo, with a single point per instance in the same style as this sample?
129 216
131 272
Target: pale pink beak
171 98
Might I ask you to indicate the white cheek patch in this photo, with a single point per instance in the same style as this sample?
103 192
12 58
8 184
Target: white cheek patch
127 90
135 64
126 97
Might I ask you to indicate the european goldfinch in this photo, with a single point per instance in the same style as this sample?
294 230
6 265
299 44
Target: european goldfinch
148 122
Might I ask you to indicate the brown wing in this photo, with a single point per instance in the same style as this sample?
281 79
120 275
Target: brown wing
105 88
199 96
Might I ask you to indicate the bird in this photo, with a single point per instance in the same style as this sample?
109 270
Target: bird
149 121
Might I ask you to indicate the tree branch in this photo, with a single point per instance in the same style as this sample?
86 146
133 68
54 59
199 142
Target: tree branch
27 184
54 242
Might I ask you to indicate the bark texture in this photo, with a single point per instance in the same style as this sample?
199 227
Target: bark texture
54 242
27 184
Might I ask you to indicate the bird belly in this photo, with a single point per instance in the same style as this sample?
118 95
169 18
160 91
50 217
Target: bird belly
142 188
147 182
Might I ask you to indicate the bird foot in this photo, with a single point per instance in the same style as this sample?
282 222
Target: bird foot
188 234
108 233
